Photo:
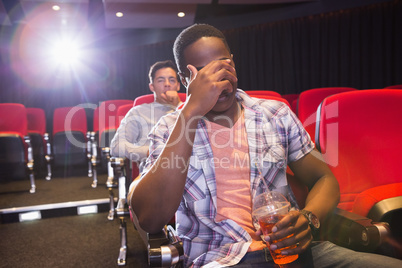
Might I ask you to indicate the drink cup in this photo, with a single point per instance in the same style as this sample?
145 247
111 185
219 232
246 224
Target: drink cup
268 209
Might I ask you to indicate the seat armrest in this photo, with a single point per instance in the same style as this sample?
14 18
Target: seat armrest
165 249
48 156
30 159
354 231
89 145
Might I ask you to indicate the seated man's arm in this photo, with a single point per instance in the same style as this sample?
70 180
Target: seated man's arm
323 198
130 139
323 187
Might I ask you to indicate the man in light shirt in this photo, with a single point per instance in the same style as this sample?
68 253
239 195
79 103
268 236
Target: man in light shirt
130 139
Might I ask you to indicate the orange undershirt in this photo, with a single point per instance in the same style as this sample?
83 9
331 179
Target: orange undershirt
232 171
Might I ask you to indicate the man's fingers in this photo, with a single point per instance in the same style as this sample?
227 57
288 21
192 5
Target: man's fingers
173 97
225 84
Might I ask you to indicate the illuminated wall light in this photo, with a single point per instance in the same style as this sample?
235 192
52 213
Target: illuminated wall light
56 8
30 216
181 14
119 14
87 209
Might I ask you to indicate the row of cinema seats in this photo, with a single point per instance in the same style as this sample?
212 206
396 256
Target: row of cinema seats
358 231
28 150
357 133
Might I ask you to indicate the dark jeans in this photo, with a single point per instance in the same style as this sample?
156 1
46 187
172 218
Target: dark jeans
262 258
322 254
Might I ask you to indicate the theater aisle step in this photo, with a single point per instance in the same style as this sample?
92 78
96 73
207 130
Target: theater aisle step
54 198
72 241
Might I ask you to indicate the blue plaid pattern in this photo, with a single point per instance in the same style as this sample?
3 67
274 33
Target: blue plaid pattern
275 137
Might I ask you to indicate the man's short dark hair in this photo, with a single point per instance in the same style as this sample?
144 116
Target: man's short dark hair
159 65
190 35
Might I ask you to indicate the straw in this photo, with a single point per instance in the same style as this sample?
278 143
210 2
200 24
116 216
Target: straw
269 196
263 179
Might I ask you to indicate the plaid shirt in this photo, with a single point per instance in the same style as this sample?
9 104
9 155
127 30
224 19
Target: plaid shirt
275 136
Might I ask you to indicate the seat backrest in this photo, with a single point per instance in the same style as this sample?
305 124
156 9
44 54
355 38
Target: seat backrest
36 120
263 92
121 113
69 137
308 103
359 137
271 97
148 98
293 105
13 149
96 120
13 119
394 87
36 129
69 119
107 120
290 97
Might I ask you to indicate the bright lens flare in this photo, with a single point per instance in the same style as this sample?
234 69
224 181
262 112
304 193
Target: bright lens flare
65 52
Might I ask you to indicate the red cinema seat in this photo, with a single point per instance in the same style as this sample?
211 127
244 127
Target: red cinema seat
69 137
104 128
394 87
262 92
290 97
36 121
96 120
16 158
107 120
40 141
271 97
148 98
293 105
121 113
308 103
359 138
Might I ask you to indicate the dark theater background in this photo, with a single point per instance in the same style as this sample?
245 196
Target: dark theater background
88 55
59 54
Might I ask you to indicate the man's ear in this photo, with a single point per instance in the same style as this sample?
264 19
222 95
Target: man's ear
183 79
151 87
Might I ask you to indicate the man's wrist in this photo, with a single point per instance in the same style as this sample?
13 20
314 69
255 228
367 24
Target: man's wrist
313 222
